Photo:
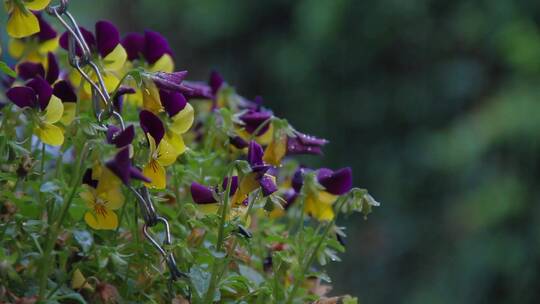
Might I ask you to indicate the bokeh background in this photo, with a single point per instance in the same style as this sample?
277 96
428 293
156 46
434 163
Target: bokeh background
435 105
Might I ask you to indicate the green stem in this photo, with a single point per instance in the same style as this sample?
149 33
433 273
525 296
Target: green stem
215 267
305 267
55 228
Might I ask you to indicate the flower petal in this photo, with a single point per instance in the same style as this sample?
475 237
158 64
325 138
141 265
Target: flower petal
120 165
36 5
46 31
275 151
115 59
216 81
166 152
268 184
183 120
150 97
27 70
202 194
88 37
155 46
54 110
157 175
22 96
254 119
105 221
65 91
107 37
164 64
151 124
255 154
53 70
337 182
120 138
42 89
50 134
22 24
173 102
169 81
69 113
134 45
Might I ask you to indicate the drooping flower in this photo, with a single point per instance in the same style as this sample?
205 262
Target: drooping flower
37 94
22 22
162 152
319 202
299 143
108 52
102 197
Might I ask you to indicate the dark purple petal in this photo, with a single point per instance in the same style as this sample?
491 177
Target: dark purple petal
155 46
268 185
46 31
238 142
234 185
336 182
22 96
88 37
202 194
150 123
53 70
254 119
120 165
27 70
134 45
289 196
120 138
135 173
43 91
118 99
196 90
255 154
169 81
298 179
173 102
107 37
216 81
87 179
305 144
64 90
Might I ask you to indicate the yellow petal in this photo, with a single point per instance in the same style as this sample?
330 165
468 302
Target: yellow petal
69 113
111 81
16 48
48 46
22 24
106 221
183 120
151 100
157 175
78 281
208 208
163 64
174 147
36 5
88 197
114 198
319 205
135 99
166 154
266 138
275 151
115 60
54 110
50 134
107 180
247 185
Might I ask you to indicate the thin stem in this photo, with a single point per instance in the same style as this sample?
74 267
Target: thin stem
305 267
215 267
55 228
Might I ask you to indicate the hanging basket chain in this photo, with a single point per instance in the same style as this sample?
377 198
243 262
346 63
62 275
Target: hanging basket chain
80 56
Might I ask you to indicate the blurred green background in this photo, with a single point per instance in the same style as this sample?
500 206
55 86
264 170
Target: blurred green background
435 104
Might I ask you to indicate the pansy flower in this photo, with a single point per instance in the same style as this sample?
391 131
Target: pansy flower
22 22
299 143
150 50
109 53
102 197
162 152
319 202
258 178
256 124
49 70
203 196
47 109
35 48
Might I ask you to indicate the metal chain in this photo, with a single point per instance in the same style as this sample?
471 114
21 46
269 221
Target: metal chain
77 43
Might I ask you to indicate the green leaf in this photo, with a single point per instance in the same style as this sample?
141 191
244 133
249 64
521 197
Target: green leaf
251 274
7 70
200 279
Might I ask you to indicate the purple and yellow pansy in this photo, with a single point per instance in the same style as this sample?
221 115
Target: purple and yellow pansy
35 47
22 22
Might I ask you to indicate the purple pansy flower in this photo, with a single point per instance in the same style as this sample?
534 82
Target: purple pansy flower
255 160
36 93
151 46
205 195
120 138
335 182
254 119
27 70
121 166
105 41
